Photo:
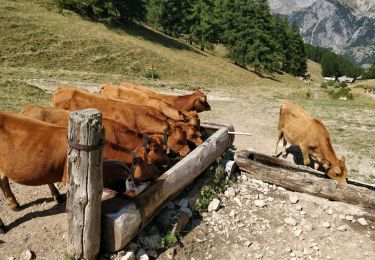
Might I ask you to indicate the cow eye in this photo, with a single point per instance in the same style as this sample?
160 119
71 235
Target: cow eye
338 174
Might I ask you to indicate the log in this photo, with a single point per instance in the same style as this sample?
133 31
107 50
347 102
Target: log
85 184
123 223
301 180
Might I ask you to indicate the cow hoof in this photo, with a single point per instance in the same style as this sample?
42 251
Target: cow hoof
15 207
2 229
59 199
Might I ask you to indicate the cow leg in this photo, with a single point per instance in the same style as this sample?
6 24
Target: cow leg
284 153
279 137
2 227
55 193
305 154
8 194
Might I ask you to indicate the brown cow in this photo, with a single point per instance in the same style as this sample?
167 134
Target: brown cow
300 129
115 132
31 153
196 101
139 119
136 97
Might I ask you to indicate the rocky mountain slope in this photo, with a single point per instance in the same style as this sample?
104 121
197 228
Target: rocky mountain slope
346 26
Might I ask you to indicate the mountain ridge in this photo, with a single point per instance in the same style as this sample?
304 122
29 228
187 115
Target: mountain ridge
346 26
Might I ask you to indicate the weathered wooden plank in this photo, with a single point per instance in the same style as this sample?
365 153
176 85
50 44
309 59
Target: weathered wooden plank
162 190
85 136
301 180
272 161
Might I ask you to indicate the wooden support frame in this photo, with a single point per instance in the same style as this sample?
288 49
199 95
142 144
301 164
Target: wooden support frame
85 183
303 179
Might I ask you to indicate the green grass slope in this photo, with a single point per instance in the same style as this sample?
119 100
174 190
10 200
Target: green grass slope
36 38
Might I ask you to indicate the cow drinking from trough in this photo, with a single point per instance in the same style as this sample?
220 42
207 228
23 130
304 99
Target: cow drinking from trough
298 128
137 118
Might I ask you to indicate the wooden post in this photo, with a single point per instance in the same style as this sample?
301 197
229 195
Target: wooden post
316 94
85 183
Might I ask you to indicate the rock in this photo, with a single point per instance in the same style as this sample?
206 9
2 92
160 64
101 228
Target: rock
170 253
293 198
142 255
132 246
270 199
298 207
27 255
349 217
308 227
11 258
326 224
214 205
128 256
297 233
232 213
362 221
180 222
247 243
151 242
164 219
188 211
230 192
183 203
238 201
258 256
152 253
288 250
329 211
342 228
259 203
170 205
153 230
290 221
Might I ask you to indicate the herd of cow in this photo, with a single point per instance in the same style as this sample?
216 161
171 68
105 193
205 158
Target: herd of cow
143 128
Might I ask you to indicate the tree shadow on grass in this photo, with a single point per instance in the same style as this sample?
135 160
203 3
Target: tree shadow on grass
139 30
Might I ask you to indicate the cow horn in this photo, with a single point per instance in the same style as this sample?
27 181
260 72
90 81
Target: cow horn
165 138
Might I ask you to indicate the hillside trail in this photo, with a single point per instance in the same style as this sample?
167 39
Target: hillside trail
238 229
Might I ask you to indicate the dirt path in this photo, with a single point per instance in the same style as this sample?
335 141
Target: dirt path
234 231
258 221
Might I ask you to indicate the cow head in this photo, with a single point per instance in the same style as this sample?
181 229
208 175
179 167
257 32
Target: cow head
337 170
157 153
193 119
201 103
143 170
177 140
192 135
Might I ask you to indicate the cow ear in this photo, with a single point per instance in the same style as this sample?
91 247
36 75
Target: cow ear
343 158
326 164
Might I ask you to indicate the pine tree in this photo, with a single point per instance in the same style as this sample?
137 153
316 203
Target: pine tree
294 61
203 24
172 16
247 27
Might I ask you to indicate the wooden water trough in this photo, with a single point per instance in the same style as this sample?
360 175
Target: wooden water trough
124 218
304 179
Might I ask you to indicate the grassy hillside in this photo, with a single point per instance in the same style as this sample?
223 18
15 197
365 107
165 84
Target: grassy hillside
38 39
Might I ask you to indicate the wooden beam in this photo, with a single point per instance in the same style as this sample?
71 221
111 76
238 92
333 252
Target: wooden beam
85 184
123 223
297 178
